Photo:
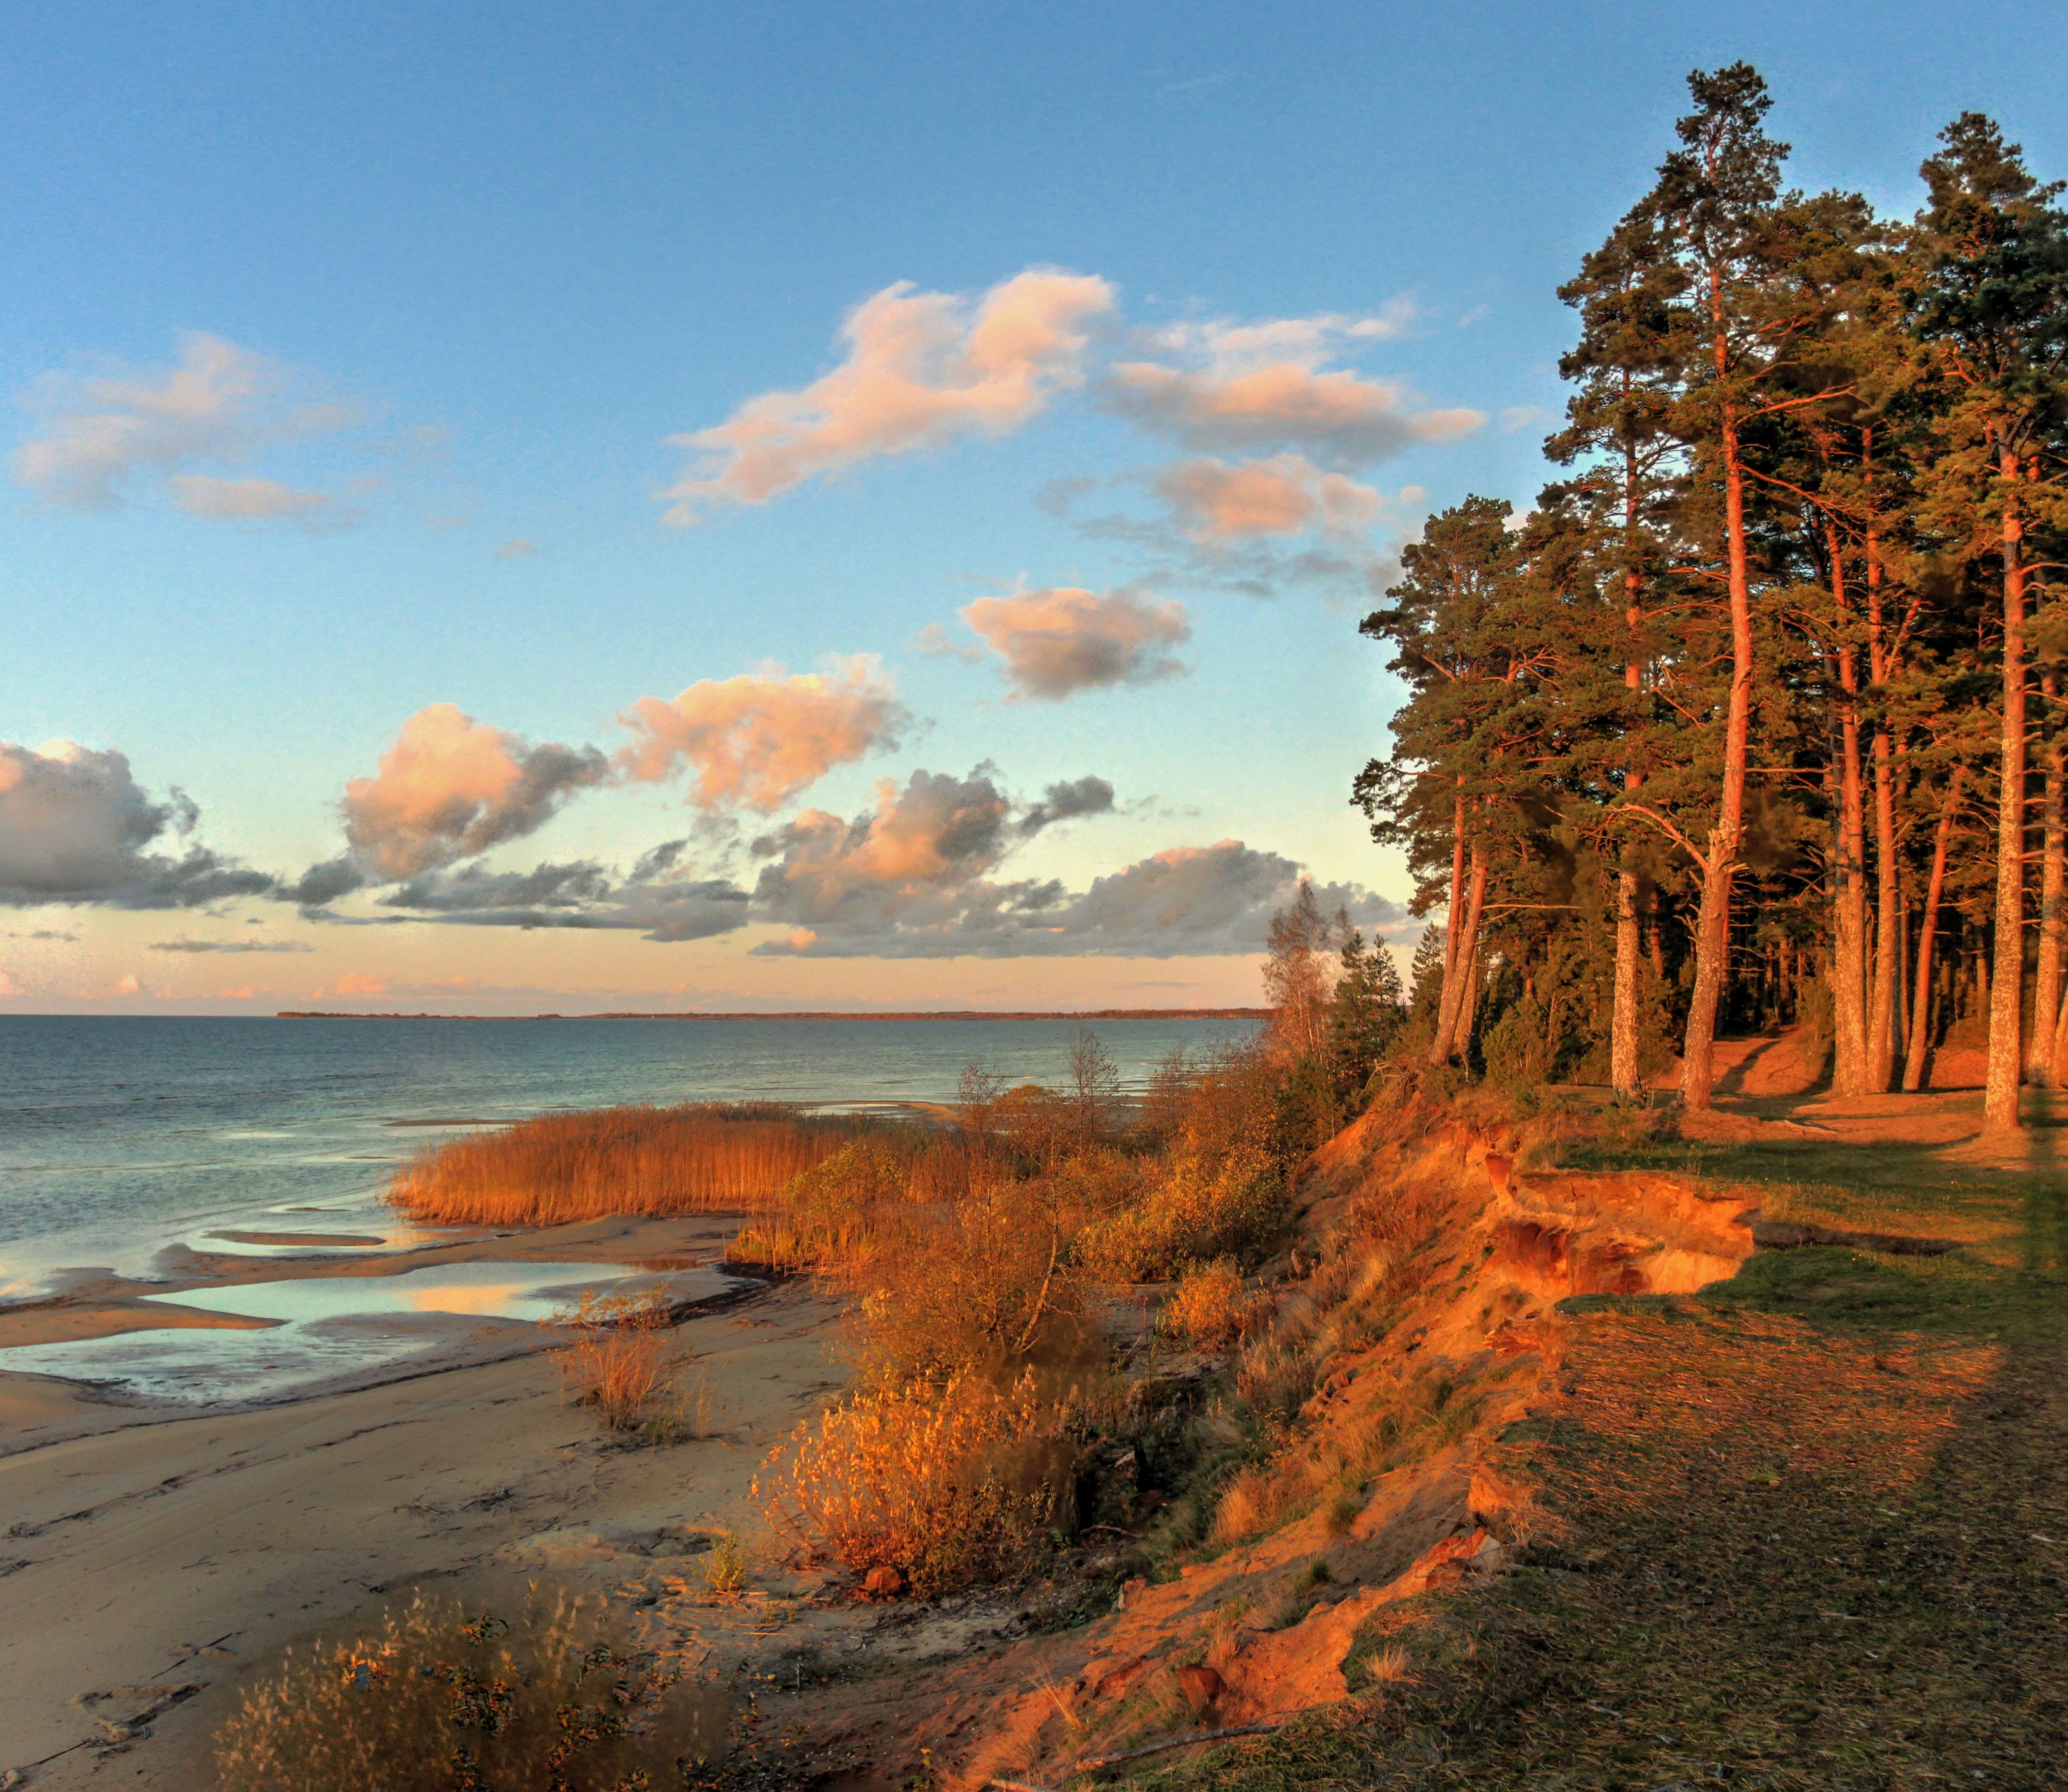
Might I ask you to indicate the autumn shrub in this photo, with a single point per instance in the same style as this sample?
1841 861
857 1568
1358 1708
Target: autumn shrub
978 1285
834 1212
1194 1206
431 1700
950 1485
1206 1308
642 1160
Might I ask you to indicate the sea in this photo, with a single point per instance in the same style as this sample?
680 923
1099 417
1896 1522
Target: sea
125 1139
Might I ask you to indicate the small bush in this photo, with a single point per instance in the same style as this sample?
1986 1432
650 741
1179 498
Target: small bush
1206 1308
432 1700
618 1363
949 1486
725 1568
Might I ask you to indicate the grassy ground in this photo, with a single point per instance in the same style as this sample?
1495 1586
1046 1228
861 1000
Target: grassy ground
1809 1530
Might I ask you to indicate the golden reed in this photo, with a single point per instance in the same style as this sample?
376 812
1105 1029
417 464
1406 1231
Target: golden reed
643 1161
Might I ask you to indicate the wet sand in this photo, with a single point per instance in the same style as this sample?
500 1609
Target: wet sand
146 1547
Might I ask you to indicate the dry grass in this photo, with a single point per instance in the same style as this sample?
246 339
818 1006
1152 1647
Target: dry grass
432 1699
1206 1308
619 1360
949 1486
650 1162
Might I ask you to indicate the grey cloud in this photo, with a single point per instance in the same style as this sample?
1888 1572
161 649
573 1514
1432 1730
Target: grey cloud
1066 802
322 884
228 946
1211 901
75 827
581 894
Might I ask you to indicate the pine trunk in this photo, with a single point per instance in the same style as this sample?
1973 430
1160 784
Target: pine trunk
1712 930
1453 1021
1623 1076
1622 1021
1885 1029
1849 968
1447 1007
2039 1058
2000 1098
1927 938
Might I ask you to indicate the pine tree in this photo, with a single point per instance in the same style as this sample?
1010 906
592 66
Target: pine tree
1365 1014
1992 306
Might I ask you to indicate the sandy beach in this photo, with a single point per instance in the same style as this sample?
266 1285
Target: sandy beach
151 1554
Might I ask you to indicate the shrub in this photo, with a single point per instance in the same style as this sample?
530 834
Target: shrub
831 1213
1206 1308
1196 1206
949 1486
431 1700
618 1362
647 1161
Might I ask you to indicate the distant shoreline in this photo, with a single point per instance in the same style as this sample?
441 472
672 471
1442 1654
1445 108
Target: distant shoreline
820 1014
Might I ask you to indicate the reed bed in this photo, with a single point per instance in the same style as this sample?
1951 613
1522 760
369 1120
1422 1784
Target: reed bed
643 1161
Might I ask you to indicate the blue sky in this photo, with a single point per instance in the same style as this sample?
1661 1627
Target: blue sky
479 264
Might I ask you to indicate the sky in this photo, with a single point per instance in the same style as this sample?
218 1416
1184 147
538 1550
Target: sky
555 507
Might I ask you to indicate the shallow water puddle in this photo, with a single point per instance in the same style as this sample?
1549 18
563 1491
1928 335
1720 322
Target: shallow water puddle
326 1327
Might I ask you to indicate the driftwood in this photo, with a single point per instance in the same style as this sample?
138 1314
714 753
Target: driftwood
1092 1762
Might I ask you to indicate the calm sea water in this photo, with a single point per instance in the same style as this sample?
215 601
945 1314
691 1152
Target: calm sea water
122 1137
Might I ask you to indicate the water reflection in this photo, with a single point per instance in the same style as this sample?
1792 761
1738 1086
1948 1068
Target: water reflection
325 1327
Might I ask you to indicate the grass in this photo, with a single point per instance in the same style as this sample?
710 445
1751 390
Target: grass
1807 1532
1850 1183
433 1698
644 1162
947 1485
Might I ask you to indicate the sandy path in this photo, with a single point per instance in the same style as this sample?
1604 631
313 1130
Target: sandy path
179 1550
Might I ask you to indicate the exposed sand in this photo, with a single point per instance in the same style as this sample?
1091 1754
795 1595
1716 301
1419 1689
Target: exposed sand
147 1547
309 1240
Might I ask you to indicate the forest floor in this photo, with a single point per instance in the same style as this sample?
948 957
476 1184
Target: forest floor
1806 1528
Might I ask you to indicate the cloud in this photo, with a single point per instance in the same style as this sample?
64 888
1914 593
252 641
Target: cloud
228 946
127 984
257 501
1190 901
920 369
933 835
517 549
581 895
1238 526
1213 500
1057 642
760 739
11 985
100 435
75 827
1269 384
1067 802
451 786
354 983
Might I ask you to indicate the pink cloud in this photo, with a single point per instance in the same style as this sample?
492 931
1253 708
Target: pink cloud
451 786
920 367
354 983
1059 641
760 737
103 435
1283 495
1264 384
932 835
255 500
